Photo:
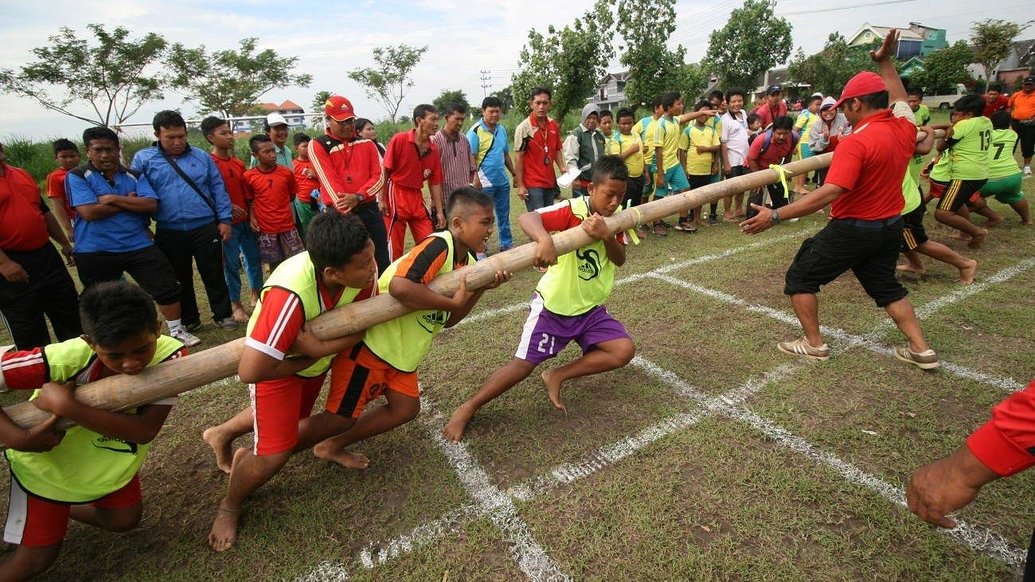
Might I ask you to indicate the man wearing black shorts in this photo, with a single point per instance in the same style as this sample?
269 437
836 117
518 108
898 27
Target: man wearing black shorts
864 188
111 232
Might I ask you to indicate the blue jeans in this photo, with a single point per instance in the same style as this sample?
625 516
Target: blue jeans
243 241
540 198
501 195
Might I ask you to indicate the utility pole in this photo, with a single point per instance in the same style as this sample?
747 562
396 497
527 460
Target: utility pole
485 82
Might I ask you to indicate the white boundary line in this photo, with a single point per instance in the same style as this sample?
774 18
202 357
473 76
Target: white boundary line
979 539
514 307
852 340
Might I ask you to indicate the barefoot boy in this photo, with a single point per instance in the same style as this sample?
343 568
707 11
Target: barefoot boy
387 359
89 475
284 365
568 302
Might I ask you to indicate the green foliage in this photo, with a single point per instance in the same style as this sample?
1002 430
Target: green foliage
653 68
829 69
319 100
388 81
448 97
570 61
230 82
753 41
109 74
991 39
944 68
506 97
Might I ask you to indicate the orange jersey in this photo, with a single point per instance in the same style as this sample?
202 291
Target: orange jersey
271 194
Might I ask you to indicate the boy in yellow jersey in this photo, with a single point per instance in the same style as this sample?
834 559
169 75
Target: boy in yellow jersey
645 128
629 147
967 152
803 125
385 362
698 154
914 236
90 472
568 302
1004 175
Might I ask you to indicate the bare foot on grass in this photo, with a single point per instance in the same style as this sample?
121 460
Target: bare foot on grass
967 273
978 240
553 389
346 459
907 268
221 446
224 527
454 430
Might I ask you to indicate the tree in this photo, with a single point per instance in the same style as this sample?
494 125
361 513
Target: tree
829 69
388 81
944 68
753 41
992 40
319 100
449 97
111 74
230 82
653 68
506 97
570 60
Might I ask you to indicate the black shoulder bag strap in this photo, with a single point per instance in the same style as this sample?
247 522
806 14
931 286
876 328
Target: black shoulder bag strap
211 205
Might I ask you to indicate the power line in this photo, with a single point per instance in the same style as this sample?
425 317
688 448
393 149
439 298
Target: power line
848 7
485 82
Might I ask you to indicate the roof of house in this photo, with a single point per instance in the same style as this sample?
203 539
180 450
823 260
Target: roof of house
617 76
287 105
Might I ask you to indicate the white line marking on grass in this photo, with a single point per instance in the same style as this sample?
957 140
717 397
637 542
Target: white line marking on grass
515 307
979 539
850 340
492 502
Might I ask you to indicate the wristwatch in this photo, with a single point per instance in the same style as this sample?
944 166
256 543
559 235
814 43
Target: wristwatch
775 216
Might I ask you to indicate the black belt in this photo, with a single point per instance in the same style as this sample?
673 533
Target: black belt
859 223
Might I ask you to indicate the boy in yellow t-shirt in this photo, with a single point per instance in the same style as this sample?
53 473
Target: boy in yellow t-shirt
629 147
568 302
698 149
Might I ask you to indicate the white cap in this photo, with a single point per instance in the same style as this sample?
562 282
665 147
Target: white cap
275 119
828 102
817 94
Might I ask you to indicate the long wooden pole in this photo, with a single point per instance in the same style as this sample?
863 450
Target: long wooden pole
123 392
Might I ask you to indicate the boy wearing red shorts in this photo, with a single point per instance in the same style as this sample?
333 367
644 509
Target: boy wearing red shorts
90 472
568 302
285 365
271 193
411 159
385 362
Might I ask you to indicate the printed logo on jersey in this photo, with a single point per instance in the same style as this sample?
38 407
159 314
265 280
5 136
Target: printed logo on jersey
432 321
115 445
589 264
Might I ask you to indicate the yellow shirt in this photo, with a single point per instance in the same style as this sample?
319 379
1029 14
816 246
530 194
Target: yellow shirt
645 132
635 162
698 164
666 136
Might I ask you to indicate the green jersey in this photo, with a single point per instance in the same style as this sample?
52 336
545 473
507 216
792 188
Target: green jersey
1004 141
971 150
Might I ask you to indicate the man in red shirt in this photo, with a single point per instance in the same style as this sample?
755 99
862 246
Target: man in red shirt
411 159
864 189
349 170
537 141
773 107
33 282
995 100
1001 447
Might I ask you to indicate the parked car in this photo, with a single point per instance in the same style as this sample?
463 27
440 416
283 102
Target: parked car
945 101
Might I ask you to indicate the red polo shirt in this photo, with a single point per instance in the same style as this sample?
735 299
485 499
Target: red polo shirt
870 164
22 227
407 167
538 149
998 105
232 170
767 114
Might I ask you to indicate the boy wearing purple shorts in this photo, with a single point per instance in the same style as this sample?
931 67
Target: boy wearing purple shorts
568 302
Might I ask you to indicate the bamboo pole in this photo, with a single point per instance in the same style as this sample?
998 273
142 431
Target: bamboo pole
168 379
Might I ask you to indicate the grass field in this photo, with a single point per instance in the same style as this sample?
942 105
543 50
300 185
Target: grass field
711 456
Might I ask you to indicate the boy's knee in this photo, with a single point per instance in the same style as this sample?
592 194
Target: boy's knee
29 561
123 520
624 352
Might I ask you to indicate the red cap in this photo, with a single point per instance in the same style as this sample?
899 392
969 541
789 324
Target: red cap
864 83
338 108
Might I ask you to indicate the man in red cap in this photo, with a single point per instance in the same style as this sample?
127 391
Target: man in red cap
349 169
864 189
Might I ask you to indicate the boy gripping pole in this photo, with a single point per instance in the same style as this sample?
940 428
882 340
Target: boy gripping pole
285 365
568 302
90 472
386 361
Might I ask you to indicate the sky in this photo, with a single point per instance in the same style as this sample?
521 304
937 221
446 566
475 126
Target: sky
463 38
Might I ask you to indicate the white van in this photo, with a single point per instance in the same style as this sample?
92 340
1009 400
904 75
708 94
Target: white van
945 101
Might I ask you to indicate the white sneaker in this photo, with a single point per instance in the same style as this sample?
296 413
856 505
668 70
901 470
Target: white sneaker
190 340
1027 171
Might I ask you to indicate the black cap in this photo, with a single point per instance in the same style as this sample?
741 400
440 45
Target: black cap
773 89
1029 79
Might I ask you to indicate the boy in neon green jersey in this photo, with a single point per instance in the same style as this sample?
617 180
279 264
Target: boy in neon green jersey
1004 176
568 302
966 151
90 473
